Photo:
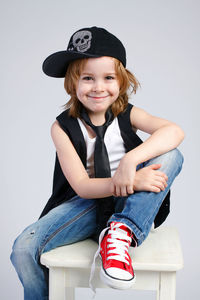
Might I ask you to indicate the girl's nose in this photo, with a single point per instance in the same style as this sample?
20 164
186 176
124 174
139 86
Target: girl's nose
98 86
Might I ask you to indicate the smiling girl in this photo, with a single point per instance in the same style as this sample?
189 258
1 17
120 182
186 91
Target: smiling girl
107 182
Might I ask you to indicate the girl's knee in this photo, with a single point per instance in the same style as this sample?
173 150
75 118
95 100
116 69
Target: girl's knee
175 157
25 240
24 246
24 256
171 159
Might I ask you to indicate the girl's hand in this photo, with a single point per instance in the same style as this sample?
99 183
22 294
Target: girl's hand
150 179
124 177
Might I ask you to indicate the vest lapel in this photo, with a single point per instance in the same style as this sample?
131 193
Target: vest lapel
130 138
71 126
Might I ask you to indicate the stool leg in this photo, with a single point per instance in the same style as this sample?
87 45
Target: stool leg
56 284
70 293
167 286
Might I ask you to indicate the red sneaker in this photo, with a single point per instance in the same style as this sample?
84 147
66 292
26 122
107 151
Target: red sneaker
117 270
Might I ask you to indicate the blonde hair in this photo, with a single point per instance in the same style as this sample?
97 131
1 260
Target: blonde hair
127 82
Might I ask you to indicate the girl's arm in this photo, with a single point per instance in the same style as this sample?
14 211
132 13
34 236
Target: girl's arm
165 136
74 170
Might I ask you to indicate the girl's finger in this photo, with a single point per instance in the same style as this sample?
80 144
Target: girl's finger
160 184
155 166
123 191
130 189
117 191
161 179
159 173
155 189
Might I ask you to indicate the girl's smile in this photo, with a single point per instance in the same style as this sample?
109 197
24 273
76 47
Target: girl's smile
98 86
98 98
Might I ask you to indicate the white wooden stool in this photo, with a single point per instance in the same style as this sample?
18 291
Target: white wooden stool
155 263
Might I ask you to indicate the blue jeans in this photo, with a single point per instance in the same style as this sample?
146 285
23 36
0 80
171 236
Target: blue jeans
75 220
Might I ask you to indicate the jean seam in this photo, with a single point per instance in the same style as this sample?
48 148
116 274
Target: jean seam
63 227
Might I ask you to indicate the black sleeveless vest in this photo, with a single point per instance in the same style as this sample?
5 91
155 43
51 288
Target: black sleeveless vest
62 190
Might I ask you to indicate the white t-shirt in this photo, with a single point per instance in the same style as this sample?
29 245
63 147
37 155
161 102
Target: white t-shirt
114 144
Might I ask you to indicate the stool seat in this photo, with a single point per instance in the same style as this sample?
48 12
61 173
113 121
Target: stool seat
155 263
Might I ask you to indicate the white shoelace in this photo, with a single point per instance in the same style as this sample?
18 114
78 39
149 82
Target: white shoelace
94 260
120 241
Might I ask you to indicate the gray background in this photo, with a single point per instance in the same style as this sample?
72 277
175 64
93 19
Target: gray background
162 41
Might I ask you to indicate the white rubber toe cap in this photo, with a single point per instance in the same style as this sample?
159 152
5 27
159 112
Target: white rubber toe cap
119 273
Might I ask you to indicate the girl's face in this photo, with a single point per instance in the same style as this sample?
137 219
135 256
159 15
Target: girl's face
98 86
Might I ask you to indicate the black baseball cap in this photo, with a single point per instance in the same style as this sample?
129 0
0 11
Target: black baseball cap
85 43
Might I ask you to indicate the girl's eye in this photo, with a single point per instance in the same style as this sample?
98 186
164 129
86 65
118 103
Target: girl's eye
87 78
109 77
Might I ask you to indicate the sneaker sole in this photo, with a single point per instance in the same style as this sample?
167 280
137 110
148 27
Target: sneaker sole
116 283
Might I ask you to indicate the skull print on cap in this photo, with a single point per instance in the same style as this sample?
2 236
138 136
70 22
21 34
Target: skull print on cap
81 41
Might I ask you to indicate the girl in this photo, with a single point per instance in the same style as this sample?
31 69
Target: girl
106 180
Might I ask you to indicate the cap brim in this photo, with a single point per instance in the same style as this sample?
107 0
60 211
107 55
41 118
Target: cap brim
55 65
